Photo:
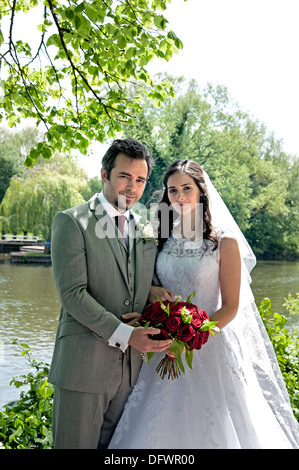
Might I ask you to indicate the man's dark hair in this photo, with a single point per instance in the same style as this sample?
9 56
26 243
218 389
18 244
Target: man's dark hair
132 148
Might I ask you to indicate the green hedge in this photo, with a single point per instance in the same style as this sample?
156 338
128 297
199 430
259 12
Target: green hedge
286 345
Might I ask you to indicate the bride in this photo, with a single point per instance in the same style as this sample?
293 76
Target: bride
234 397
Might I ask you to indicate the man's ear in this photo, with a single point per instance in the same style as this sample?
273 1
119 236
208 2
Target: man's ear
103 175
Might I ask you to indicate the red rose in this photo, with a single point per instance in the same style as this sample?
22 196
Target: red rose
198 318
162 335
200 338
203 315
196 321
172 323
173 308
176 309
157 316
154 314
146 314
185 333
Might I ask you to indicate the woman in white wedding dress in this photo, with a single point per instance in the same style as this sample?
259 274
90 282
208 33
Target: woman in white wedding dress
234 397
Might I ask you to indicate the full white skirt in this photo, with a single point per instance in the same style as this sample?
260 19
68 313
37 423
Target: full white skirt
216 405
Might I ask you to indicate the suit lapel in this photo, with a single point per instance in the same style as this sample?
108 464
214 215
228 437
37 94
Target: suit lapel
106 229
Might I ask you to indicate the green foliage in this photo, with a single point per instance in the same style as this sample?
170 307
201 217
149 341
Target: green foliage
286 345
75 79
93 186
27 423
256 179
32 196
14 146
30 203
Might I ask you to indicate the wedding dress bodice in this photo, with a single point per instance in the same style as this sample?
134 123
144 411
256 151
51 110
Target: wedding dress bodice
186 266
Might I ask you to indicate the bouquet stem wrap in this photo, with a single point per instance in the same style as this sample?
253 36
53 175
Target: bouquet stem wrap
168 366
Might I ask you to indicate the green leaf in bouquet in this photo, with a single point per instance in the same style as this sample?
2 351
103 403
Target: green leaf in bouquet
186 316
191 297
177 348
188 357
149 355
208 325
164 307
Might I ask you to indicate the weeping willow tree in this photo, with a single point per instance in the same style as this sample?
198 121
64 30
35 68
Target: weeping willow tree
30 203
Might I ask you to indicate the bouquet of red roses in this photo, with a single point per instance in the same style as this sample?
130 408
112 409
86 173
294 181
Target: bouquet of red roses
188 327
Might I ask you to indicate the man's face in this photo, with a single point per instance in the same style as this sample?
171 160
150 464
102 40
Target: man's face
127 182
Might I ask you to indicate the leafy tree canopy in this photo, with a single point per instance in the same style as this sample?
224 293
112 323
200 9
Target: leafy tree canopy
256 179
75 80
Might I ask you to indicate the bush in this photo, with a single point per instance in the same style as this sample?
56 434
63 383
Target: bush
286 345
27 423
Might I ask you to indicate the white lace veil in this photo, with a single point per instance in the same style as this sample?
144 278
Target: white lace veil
248 326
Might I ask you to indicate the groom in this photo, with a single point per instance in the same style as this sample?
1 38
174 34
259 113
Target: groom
103 277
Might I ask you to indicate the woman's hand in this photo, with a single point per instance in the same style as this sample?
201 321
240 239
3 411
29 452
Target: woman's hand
161 293
131 318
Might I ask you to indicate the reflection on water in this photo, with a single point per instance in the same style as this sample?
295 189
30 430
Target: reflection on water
275 280
29 310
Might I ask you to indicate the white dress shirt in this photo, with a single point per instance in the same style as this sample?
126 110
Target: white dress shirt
122 334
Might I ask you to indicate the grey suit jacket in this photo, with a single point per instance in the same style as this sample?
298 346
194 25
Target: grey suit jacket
91 275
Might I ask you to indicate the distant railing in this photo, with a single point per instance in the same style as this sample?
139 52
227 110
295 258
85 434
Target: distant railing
15 236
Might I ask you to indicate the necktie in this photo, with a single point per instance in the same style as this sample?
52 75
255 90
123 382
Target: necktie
120 222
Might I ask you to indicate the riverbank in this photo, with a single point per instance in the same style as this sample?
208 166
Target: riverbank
24 250
31 257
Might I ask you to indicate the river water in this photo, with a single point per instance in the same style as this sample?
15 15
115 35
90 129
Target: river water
29 310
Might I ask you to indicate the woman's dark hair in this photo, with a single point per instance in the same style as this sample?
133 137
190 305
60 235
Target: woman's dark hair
195 171
132 148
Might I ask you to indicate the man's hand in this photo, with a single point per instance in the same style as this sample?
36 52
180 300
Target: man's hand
140 340
161 293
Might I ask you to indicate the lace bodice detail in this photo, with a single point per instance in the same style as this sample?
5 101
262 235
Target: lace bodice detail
185 266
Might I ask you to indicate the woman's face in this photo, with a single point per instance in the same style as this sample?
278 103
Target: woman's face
183 193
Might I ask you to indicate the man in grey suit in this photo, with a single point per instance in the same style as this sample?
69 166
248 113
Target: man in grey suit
103 278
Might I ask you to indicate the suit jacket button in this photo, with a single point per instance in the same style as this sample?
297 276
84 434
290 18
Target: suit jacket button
127 302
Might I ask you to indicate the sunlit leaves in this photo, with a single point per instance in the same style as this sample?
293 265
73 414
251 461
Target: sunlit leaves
79 76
